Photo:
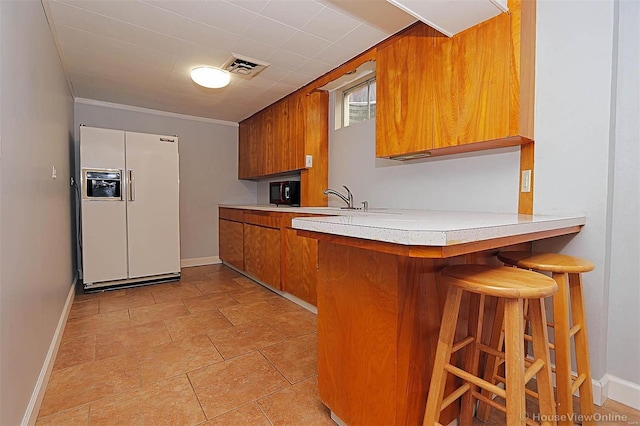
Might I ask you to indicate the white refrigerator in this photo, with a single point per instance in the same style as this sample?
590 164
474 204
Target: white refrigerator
130 226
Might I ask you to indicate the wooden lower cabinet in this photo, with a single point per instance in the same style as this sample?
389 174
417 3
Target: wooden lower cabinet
264 246
231 237
262 254
300 266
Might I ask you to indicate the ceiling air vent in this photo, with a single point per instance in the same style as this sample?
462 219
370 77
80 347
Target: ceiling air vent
244 66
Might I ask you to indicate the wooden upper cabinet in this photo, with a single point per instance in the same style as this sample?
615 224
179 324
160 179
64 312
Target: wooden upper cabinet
404 91
438 95
277 137
480 66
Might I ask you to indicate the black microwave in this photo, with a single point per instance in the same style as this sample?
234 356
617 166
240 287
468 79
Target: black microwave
286 193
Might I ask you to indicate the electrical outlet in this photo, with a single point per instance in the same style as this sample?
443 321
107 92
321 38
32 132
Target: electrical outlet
525 185
308 161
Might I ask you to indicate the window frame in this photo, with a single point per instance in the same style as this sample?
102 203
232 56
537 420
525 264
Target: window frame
343 106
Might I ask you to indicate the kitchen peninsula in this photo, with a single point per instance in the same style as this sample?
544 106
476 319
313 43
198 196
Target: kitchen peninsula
379 299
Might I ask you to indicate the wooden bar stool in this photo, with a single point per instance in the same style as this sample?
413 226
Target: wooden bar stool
513 286
568 301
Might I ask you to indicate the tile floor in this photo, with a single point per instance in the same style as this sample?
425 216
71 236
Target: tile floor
214 349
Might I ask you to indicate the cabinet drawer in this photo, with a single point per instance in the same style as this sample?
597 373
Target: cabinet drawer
264 219
236 215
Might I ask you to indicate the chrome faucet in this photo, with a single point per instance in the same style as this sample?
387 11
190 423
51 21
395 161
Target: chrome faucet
347 199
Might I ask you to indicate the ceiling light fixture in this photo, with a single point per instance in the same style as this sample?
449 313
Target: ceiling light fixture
210 77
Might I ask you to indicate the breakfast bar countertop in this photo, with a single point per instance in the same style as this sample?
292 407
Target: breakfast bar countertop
433 228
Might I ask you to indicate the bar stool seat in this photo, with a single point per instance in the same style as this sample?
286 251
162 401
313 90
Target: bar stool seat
513 286
567 302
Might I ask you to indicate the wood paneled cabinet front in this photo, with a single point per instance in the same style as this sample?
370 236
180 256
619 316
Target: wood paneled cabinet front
277 140
439 95
272 141
300 265
264 245
231 237
262 254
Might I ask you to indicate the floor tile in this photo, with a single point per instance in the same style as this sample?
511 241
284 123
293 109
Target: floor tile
254 294
296 359
157 312
308 410
131 291
209 302
217 286
245 282
293 324
200 272
84 309
75 351
99 295
80 384
224 272
614 413
239 314
171 359
132 339
250 414
244 338
175 292
196 324
85 326
75 416
231 384
169 402
128 301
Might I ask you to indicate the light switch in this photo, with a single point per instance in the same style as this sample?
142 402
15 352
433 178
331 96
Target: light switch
54 172
525 185
308 161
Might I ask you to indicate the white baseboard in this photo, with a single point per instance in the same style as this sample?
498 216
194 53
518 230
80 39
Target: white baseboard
199 261
600 390
31 414
620 390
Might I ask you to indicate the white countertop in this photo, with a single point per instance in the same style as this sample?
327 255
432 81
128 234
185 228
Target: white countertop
420 227
288 209
433 228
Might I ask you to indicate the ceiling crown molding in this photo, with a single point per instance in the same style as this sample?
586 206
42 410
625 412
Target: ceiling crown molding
93 102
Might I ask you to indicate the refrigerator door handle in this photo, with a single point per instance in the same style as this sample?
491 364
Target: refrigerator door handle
132 185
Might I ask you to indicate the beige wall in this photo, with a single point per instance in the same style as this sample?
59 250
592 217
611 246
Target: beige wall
208 168
36 272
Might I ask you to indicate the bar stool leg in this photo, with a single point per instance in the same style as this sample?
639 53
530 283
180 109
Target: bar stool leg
540 339
492 362
514 369
587 410
472 355
562 344
443 355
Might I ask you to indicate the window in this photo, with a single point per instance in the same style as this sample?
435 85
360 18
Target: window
359 102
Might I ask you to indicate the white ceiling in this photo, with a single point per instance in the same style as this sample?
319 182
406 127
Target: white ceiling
140 53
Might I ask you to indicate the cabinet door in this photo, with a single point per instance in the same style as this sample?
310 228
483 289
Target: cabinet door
405 93
245 158
231 242
295 146
480 63
153 221
262 254
301 264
